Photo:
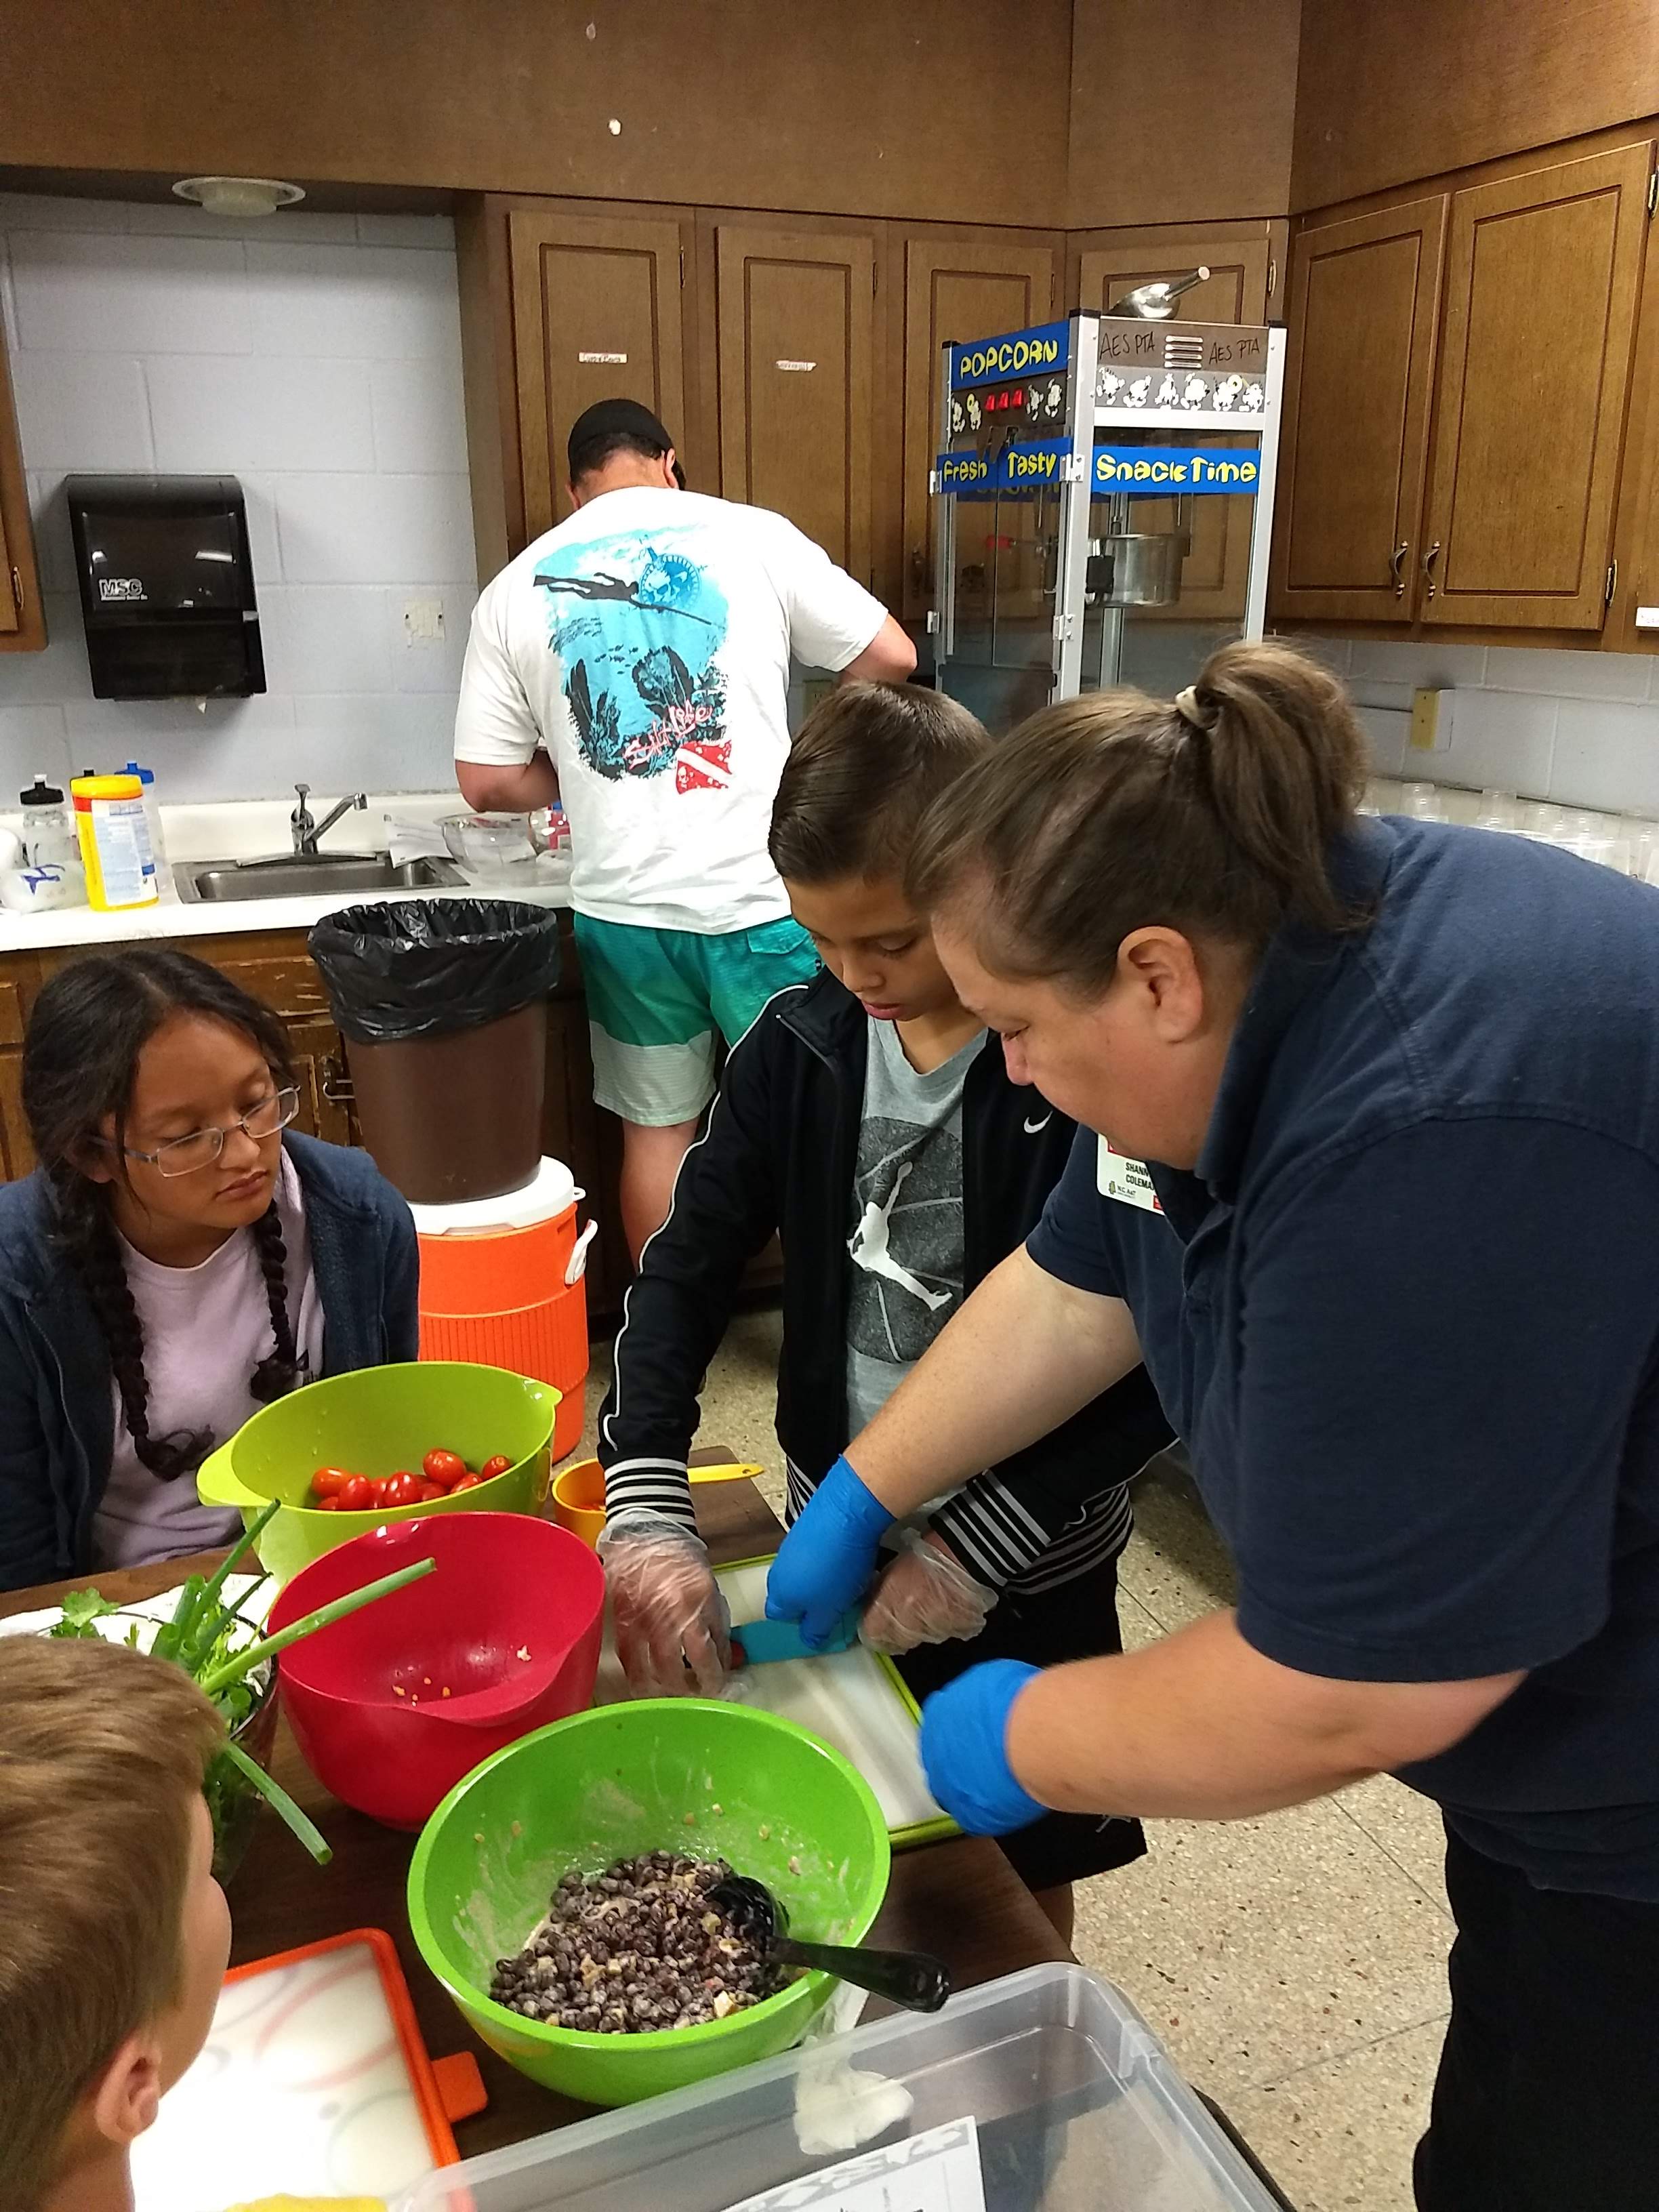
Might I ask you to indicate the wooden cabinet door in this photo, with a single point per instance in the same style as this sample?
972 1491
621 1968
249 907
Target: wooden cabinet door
955 289
11 596
596 314
282 974
319 1063
798 379
1364 296
1216 573
17 1151
1541 281
22 618
1236 290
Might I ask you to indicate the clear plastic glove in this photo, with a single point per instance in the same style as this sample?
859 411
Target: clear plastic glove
667 1613
926 1596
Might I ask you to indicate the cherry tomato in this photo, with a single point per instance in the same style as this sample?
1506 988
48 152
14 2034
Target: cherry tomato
445 1468
405 1489
466 1482
429 1491
328 1505
329 1481
492 1468
357 1496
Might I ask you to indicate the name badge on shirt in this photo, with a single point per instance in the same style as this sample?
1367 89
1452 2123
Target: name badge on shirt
1125 1179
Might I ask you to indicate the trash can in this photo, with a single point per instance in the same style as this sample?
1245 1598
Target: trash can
443 1006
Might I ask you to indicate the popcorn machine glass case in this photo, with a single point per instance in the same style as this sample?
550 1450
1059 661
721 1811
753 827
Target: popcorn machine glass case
1104 506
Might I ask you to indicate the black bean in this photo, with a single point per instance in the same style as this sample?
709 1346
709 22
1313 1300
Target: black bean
643 1934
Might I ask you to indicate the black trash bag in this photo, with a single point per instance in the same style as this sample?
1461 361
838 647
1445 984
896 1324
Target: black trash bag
418 968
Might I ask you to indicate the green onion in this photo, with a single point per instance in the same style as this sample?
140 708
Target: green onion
279 1800
244 1661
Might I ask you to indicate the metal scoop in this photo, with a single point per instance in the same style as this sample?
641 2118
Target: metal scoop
910 1978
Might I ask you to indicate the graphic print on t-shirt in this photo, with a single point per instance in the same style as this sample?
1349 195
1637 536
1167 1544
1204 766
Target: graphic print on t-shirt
907 1245
637 626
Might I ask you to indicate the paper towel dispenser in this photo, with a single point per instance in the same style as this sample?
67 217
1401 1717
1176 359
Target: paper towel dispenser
167 587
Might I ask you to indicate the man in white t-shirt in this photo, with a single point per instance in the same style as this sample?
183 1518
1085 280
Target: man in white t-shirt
635 663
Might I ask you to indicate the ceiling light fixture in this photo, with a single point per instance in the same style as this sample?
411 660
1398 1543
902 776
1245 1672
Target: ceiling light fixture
239 195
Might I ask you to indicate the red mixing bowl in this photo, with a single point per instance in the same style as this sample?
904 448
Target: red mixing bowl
392 1705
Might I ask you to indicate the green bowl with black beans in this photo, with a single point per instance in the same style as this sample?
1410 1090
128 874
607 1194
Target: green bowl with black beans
676 1781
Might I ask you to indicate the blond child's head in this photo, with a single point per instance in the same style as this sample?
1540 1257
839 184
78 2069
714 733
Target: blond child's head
113 1934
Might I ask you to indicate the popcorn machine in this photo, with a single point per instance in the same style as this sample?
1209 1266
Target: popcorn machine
1103 505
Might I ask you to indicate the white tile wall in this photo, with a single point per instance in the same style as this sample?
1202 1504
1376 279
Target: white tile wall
1580 728
316 358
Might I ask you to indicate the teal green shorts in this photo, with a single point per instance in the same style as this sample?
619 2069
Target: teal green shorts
656 997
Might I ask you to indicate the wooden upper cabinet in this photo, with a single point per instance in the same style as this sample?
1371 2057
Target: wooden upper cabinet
1365 297
1541 285
596 314
1236 290
957 289
798 379
22 618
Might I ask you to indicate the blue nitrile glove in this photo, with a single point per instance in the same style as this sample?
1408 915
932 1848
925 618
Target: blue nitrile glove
828 1557
964 1727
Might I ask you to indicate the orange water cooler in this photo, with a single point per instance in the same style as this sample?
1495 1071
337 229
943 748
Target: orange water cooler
502 1284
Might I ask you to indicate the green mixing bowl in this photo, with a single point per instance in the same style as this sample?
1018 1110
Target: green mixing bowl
609 1784
373 1422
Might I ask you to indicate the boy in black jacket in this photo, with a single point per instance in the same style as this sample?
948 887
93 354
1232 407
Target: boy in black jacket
869 1120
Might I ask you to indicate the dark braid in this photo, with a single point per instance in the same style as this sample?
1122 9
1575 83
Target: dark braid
85 1034
87 1237
281 1368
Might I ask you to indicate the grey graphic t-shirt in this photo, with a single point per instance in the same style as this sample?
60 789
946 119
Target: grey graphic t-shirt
906 1229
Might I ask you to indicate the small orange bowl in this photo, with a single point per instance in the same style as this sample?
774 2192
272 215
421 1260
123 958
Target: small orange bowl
579 1500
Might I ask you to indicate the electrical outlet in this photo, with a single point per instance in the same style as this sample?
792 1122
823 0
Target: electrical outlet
423 621
1432 713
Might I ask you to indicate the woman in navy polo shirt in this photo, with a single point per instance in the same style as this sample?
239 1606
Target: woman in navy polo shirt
1393 1268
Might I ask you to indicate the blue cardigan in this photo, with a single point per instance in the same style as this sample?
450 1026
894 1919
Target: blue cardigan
56 1404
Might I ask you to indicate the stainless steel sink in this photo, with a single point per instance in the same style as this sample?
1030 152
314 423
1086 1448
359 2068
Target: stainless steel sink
292 876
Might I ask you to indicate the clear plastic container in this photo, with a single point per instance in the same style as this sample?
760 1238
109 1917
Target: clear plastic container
109 816
48 827
1422 802
158 846
1077 2103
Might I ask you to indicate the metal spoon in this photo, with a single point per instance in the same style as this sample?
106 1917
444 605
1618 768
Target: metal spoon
910 1978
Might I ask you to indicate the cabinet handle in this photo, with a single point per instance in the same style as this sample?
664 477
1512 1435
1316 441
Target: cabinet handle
1397 567
336 1085
1429 560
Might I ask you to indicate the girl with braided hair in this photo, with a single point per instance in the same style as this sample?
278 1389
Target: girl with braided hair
175 1262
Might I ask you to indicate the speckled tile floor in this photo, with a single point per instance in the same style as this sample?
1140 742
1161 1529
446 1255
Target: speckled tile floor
1295 1965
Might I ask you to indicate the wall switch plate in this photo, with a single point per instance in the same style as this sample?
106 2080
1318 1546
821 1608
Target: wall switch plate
1432 713
423 621
1647 618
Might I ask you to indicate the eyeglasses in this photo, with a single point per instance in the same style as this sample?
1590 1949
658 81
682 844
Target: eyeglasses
183 1155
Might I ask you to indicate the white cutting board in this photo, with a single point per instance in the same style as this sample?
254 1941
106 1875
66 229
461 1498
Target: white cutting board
113 1627
849 1698
302 2089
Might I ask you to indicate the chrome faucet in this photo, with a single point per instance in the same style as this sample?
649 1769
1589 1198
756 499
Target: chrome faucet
307 833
